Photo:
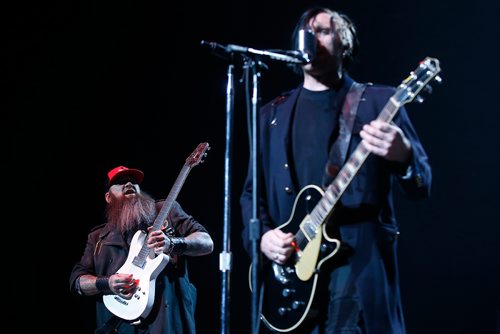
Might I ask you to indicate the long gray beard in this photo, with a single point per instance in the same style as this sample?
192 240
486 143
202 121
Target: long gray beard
127 214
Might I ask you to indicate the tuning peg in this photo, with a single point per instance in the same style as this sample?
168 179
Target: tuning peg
419 99
438 79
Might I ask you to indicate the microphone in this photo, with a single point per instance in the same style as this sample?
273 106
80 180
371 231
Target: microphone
304 53
306 45
304 48
218 49
215 46
280 55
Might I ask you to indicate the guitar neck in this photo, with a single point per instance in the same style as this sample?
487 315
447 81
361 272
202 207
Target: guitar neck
194 159
337 187
169 201
165 210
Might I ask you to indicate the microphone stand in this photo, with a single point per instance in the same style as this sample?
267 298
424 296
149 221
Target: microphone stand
225 260
255 224
251 61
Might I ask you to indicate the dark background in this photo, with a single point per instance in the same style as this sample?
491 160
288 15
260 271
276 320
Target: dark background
90 85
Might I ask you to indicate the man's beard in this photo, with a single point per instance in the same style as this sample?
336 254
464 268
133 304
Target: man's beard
128 214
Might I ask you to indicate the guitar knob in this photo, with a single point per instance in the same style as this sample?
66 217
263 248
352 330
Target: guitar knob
296 304
283 310
287 292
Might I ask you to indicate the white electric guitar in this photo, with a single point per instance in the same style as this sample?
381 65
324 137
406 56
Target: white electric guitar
142 262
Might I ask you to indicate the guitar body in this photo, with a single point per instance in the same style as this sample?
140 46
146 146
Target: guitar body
142 301
290 290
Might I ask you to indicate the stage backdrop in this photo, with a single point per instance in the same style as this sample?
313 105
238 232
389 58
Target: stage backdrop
92 85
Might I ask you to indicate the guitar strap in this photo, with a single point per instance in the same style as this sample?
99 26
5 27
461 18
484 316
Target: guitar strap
338 151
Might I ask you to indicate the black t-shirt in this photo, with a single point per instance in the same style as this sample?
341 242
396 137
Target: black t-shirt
313 132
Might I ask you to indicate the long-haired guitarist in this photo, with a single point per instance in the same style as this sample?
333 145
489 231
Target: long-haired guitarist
328 233
103 272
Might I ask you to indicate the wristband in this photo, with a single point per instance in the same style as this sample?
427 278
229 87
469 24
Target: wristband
180 245
177 246
102 285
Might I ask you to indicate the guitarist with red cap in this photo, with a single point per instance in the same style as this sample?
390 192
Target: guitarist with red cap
111 266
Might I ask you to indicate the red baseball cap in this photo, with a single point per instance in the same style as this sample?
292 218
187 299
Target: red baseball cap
122 171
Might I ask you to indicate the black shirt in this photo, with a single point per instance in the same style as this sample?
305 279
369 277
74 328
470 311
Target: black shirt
314 129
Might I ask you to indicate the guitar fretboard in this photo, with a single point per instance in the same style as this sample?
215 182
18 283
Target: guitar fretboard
194 159
140 259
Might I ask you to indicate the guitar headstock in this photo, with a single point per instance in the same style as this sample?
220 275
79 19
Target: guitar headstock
198 155
418 80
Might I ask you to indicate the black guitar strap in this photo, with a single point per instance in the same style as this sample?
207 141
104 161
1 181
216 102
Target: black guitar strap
338 151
